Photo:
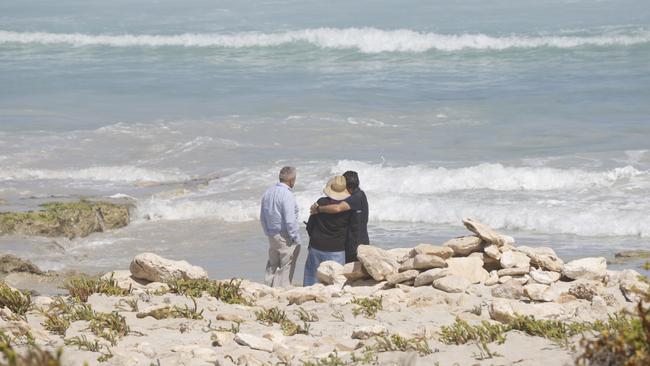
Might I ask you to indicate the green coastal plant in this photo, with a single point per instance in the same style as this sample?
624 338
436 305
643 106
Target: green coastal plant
110 326
82 343
306 316
16 301
226 291
275 315
82 287
624 341
395 342
32 356
176 312
482 334
368 306
70 219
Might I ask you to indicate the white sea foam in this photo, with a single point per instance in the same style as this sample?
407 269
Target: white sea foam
155 209
124 173
366 40
418 179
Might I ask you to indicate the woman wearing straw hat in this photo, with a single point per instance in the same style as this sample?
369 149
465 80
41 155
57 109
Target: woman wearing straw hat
327 233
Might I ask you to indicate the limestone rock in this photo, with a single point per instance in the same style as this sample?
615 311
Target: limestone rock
427 277
407 265
544 277
401 277
331 273
254 342
355 271
512 259
470 268
493 279
301 295
503 310
631 285
509 290
464 245
585 289
452 283
377 262
428 261
593 268
535 291
10 263
543 258
440 251
492 251
486 233
366 332
400 254
154 268
515 271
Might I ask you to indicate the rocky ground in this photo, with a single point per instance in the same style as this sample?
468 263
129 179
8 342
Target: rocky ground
474 300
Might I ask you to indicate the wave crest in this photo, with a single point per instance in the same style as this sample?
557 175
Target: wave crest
365 40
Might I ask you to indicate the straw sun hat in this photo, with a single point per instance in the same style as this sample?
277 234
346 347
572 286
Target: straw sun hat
336 188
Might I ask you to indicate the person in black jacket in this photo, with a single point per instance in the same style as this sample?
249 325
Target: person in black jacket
357 204
327 233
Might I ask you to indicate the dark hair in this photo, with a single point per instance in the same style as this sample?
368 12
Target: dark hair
351 180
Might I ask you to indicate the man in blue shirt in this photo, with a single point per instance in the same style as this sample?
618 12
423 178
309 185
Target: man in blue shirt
279 218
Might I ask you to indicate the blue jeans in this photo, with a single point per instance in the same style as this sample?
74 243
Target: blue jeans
314 258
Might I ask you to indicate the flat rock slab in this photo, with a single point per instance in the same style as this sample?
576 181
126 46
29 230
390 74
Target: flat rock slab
154 268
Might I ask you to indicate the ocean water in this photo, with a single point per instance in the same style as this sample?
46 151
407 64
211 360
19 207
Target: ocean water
532 116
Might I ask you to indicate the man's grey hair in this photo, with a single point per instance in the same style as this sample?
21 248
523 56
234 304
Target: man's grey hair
287 173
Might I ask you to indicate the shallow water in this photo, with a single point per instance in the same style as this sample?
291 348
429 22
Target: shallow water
530 116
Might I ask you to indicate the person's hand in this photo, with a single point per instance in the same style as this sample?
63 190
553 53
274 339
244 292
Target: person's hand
313 209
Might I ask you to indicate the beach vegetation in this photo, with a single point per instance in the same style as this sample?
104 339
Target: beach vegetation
60 313
368 306
461 332
69 219
19 302
32 356
624 341
82 287
306 316
176 312
226 291
275 315
84 344
110 326
130 305
396 342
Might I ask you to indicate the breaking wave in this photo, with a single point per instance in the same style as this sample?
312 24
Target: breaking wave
365 40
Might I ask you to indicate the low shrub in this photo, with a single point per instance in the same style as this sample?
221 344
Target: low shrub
82 287
225 291
16 301
368 306
33 356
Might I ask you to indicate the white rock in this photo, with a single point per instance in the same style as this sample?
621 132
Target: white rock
631 285
512 259
331 273
355 271
492 251
510 290
544 277
427 277
401 277
464 245
593 268
535 291
516 271
440 251
486 233
254 342
471 268
365 332
407 265
543 258
377 261
504 309
493 279
154 268
428 261
452 283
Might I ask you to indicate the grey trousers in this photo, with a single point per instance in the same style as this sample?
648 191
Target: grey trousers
282 262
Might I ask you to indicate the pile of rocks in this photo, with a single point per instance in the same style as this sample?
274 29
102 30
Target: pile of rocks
532 275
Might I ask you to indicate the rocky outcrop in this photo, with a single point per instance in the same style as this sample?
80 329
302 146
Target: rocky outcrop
486 233
68 219
10 263
377 262
331 273
465 245
154 268
586 268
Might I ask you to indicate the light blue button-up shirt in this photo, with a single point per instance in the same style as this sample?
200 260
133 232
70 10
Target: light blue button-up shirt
279 212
